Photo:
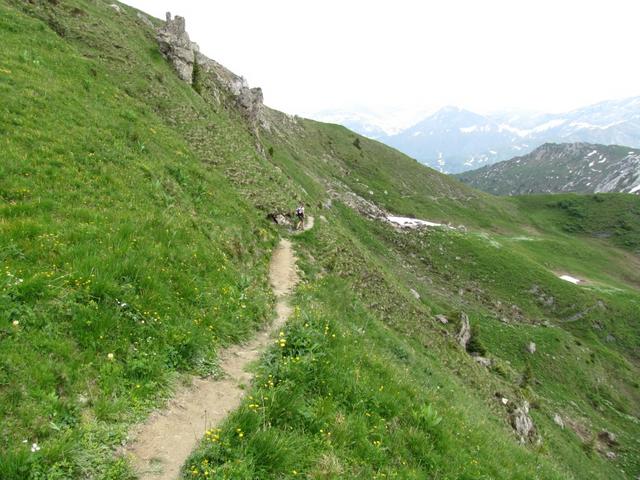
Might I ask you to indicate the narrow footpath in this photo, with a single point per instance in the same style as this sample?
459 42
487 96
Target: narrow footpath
161 445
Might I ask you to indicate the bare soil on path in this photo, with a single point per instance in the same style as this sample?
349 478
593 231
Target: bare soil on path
160 446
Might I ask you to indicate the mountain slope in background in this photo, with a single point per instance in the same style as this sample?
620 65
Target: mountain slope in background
565 167
453 140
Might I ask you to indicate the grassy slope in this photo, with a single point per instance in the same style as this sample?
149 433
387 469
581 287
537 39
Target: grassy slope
389 396
577 371
101 204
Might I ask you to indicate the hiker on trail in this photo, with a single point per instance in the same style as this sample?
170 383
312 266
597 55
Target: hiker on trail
300 216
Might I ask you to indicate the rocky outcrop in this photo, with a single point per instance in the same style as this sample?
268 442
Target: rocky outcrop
176 46
184 55
464 334
522 423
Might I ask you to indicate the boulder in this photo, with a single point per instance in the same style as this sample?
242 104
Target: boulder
611 455
607 437
464 334
558 420
531 347
415 294
442 319
280 219
522 423
484 361
116 7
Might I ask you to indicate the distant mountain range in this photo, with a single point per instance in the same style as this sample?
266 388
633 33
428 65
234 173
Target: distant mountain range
565 167
454 140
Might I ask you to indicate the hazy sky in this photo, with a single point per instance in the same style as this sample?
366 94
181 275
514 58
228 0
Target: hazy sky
485 55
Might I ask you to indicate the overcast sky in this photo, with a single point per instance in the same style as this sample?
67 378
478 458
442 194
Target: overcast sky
484 55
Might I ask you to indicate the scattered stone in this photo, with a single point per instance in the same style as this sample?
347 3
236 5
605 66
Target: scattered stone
442 319
116 8
484 361
611 455
607 437
522 423
558 420
464 335
415 294
280 219
531 348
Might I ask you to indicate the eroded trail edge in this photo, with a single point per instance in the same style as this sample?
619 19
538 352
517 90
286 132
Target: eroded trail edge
163 443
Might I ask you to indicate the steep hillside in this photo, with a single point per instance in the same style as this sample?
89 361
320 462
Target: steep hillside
454 140
138 192
564 167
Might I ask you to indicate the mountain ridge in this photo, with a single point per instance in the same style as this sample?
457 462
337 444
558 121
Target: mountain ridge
566 167
453 139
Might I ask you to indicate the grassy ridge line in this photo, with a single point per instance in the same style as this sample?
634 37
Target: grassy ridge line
125 258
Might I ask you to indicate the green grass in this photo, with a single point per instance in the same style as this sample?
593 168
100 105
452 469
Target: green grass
134 243
614 216
348 398
116 240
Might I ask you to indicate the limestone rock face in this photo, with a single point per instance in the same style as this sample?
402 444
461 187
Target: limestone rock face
464 335
177 47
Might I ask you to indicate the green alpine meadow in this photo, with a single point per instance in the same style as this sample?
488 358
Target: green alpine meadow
433 331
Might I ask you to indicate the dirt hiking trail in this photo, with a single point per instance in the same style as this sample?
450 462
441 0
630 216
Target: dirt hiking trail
160 446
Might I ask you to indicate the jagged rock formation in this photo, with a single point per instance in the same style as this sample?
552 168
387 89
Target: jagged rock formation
185 56
177 47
